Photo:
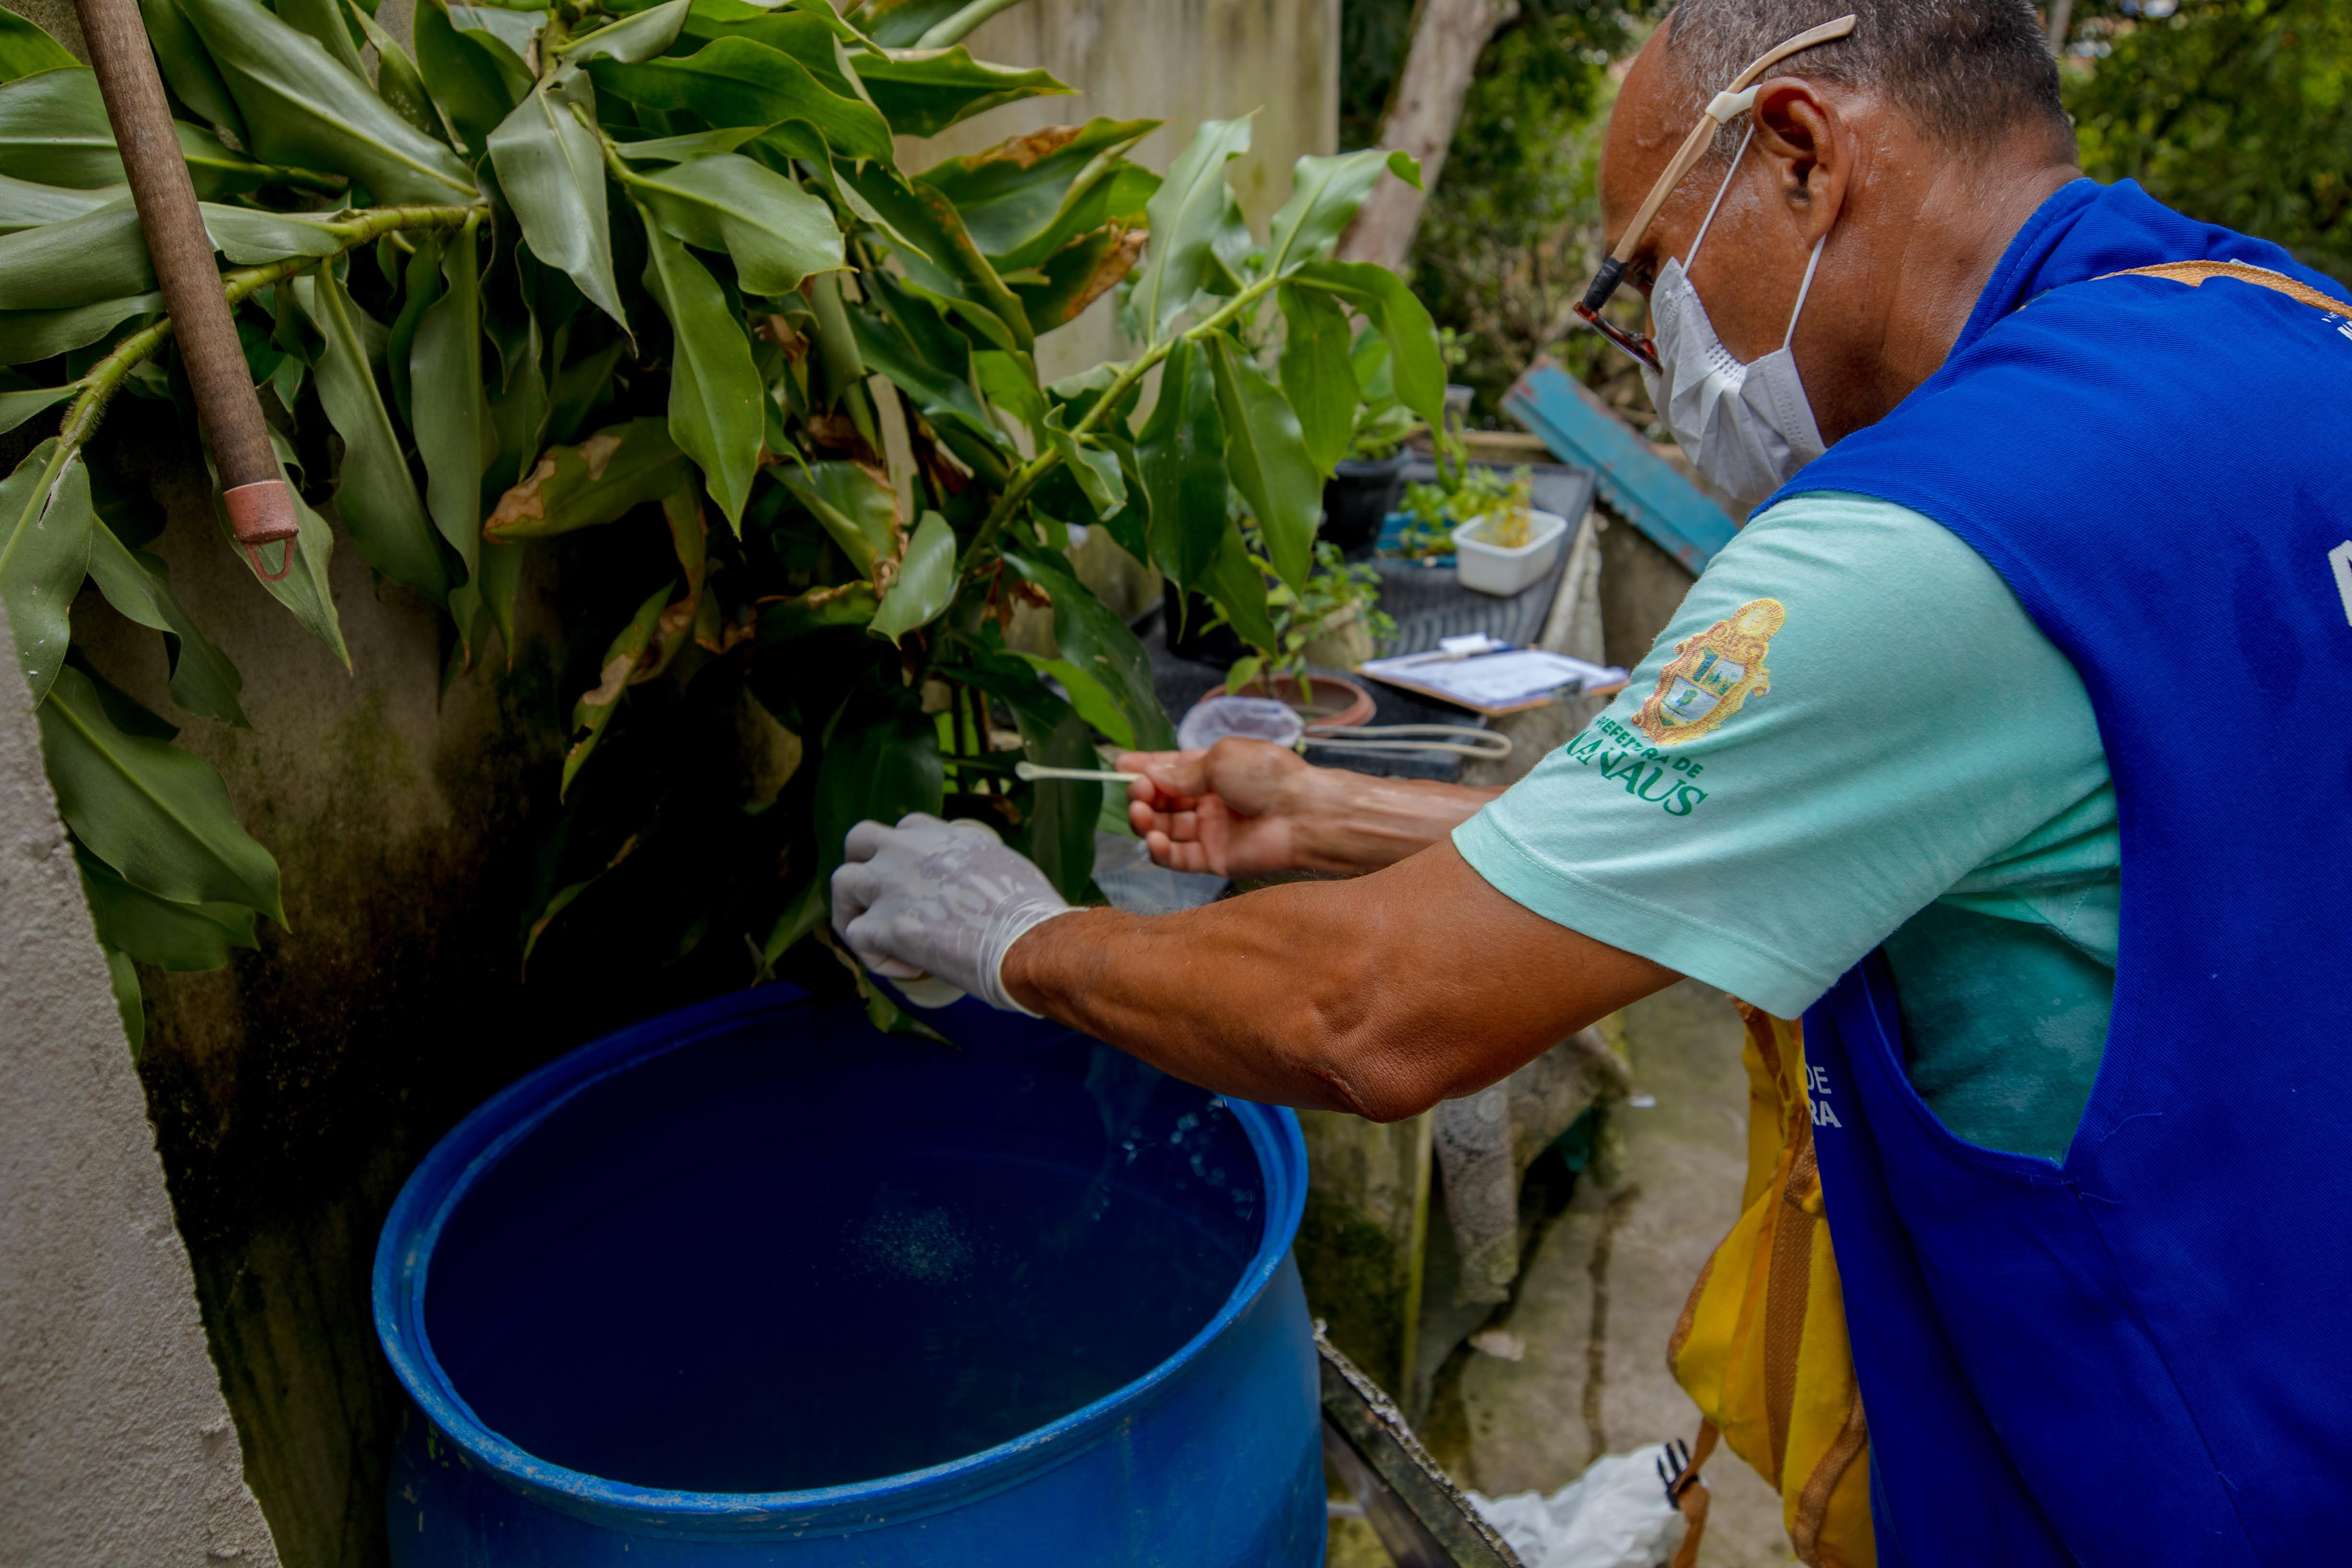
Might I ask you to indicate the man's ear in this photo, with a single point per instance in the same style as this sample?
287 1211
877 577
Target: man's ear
1802 135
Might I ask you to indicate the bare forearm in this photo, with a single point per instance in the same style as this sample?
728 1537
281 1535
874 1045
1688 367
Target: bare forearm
1357 995
1353 823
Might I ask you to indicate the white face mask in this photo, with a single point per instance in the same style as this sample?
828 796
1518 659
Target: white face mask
1748 427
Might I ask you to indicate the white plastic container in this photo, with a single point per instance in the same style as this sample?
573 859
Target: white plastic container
1491 569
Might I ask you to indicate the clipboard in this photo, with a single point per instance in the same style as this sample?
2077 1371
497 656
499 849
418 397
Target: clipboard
1507 680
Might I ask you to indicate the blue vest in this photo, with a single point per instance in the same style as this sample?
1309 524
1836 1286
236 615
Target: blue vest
2143 1354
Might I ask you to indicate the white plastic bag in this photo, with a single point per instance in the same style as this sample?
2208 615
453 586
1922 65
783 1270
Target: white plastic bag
1615 1515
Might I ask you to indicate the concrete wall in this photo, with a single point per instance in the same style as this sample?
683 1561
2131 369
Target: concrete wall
118 1447
292 1092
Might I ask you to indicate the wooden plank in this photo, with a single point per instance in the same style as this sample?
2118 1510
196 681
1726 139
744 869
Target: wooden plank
1636 482
1420 1515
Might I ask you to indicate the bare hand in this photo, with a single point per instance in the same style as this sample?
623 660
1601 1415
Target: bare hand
1233 810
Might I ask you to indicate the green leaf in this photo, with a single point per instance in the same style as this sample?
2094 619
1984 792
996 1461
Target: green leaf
420 282
304 107
29 335
1089 267
15 407
854 503
249 237
1324 195
737 81
303 589
1180 452
123 976
1095 470
374 492
850 605
139 585
1227 270
1397 316
473 77
1026 198
25 203
44 555
776 231
218 172
632 39
939 254
497 575
1008 382
1318 374
896 24
931 363
925 581
100 256
1243 672
810 33
1267 458
452 420
397 80
1059 832
161 817
922 92
553 170
1185 214
695 144
323 20
53 129
185 939
186 66
957 22
1098 644
593 712
619 468
24 49
577 387
880 759
716 413
1238 587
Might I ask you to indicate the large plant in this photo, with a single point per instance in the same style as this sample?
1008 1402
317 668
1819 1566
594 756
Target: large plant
655 270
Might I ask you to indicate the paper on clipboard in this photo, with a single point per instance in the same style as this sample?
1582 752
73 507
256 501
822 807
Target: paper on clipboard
1497 683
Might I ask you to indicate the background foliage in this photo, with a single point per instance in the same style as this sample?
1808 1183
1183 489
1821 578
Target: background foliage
2233 111
647 279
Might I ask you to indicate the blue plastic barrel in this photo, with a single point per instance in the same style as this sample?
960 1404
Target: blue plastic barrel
753 1284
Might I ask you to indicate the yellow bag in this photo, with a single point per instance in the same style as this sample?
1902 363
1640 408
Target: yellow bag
1761 1343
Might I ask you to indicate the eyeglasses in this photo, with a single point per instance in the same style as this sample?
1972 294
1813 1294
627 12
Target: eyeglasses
1731 102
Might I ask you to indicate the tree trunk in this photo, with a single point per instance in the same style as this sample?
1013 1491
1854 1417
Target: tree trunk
1447 37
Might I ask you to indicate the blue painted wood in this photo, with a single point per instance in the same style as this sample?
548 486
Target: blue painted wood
1636 482
753 1285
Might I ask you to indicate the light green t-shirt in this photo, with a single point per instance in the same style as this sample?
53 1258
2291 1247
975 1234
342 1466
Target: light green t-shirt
1851 733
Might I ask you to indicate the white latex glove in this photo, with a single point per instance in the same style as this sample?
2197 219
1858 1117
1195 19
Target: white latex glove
941 901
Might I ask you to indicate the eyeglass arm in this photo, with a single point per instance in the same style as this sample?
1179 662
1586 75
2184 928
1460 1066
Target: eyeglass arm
1732 100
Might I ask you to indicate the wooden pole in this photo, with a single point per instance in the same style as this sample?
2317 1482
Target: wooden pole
260 508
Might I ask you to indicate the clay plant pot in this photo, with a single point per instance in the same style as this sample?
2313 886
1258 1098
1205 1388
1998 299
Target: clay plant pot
1330 699
1359 495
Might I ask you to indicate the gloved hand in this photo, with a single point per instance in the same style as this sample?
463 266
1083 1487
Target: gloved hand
942 899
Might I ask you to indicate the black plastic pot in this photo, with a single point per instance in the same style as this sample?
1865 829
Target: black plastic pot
1358 496
1186 620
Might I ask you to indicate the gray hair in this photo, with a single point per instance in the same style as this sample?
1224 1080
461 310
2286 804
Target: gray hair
1968 72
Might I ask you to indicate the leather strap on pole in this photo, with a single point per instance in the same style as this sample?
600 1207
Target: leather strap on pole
261 509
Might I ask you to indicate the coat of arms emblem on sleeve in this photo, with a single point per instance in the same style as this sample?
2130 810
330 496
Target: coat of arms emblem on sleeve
1712 673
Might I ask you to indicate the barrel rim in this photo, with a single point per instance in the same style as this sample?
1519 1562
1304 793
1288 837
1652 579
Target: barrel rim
450 1170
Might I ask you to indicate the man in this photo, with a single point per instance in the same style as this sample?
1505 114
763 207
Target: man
2007 744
